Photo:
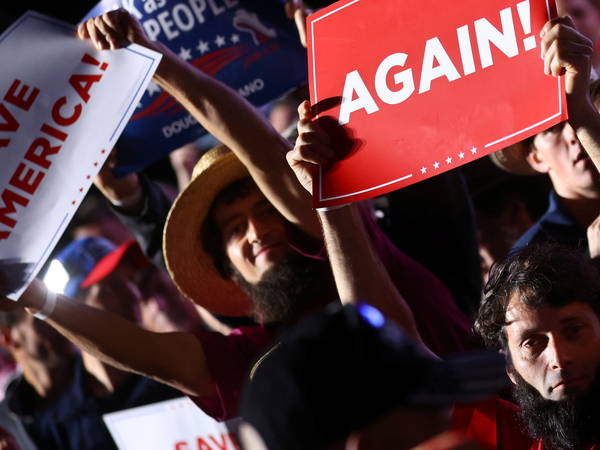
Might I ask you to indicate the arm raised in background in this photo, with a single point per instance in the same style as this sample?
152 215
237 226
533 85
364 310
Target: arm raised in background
568 52
176 359
141 205
359 274
222 111
295 10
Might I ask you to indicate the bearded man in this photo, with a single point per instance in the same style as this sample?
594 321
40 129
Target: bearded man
541 308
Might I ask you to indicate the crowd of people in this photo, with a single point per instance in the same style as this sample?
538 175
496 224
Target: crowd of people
353 327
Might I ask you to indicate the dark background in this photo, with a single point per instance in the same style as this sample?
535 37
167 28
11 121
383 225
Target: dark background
71 12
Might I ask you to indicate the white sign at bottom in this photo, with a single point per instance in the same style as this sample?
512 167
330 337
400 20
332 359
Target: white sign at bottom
171 425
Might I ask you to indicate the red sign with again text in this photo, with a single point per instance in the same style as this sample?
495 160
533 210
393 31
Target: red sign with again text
423 86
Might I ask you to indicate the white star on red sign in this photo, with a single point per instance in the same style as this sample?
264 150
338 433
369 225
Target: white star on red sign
436 165
423 169
474 150
448 160
461 155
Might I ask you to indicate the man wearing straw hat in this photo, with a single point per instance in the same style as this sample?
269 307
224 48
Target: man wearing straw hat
259 153
244 220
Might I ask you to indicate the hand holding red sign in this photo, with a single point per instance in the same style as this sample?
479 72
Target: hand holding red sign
568 52
312 148
440 91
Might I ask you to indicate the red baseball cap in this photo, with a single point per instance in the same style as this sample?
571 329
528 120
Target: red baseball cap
111 261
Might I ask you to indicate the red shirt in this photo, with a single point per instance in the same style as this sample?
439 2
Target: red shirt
493 423
443 327
230 359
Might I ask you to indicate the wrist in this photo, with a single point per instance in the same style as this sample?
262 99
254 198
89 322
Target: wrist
33 298
336 216
50 300
326 209
130 202
582 113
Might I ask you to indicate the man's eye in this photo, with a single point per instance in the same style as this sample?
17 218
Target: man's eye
532 344
234 231
573 331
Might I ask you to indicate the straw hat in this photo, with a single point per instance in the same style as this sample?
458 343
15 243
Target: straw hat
513 159
191 268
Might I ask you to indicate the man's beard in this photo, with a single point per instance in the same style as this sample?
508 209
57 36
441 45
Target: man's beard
287 288
572 423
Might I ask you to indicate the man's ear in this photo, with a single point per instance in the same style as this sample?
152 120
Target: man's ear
536 161
510 370
6 340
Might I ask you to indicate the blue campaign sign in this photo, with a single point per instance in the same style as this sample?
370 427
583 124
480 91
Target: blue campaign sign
250 45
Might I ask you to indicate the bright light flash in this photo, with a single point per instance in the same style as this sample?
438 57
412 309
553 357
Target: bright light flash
56 277
371 315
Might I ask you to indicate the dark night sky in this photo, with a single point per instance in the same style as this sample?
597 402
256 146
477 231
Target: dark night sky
70 12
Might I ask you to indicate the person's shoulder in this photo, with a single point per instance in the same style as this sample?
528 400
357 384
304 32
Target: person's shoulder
20 396
481 419
507 410
510 429
534 234
556 228
258 334
245 341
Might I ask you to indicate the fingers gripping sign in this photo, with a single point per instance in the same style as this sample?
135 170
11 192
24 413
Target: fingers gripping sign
593 235
113 30
312 148
566 52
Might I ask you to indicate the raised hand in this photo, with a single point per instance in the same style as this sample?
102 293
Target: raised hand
311 150
113 30
567 52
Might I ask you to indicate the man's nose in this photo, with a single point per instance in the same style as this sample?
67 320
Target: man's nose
255 230
569 135
560 355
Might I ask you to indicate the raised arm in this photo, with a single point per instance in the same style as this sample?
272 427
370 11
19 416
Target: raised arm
219 109
568 52
359 273
141 205
176 359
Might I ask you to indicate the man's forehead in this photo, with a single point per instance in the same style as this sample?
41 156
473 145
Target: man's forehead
226 209
520 315
516 310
